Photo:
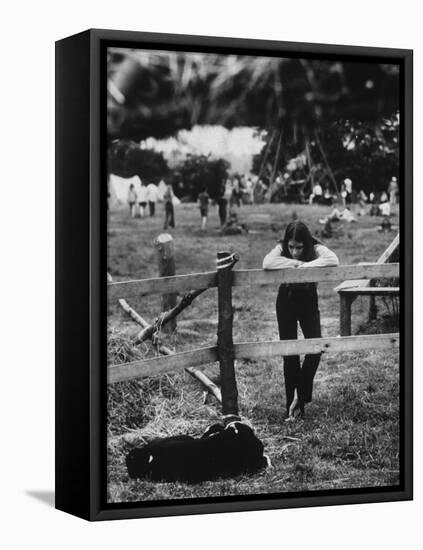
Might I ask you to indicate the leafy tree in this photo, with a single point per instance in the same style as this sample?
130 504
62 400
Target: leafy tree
200 171
127 159
367 153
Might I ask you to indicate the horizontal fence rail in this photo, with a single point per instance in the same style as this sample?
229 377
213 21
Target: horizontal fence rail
162 285
251 277
249 350
157 366
336 344
371 291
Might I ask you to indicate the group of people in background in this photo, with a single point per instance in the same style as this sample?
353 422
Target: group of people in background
150 195
321 195
347 195
140 198
242 190
375 204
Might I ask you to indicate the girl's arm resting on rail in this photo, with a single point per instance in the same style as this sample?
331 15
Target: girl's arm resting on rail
274 260
325 258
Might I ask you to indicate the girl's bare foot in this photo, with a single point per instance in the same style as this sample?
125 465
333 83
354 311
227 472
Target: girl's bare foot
296 409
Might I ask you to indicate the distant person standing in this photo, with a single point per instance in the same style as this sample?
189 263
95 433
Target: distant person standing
152 197
385 208
348 190
132 200
327 197
228 189
384 197
236 193
286 182
316 195
259 191
142 199
222 203
343 194
362 201
203 201
393 191
362 197
168 204
374 208
249 190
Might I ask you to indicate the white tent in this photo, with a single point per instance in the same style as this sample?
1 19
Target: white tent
112 199
118 190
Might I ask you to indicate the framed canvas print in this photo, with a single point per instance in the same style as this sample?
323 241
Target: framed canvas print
234 274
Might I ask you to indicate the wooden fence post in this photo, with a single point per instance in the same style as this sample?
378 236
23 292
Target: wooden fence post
225 345
166 264
372 308
372 303
345 314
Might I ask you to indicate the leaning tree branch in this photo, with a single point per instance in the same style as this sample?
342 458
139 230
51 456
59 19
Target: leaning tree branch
128 309
167 316
133 314
138 319
210 386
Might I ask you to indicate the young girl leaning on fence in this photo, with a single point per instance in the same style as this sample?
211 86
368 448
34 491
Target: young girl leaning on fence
298 303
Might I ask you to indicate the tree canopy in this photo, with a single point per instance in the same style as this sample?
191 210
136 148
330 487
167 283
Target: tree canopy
154 93
366 153
199 172
127 159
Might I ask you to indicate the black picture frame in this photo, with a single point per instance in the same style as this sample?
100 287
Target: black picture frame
81 288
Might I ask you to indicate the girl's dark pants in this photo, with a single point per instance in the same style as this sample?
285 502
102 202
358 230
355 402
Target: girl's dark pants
222 202
298 303
169 215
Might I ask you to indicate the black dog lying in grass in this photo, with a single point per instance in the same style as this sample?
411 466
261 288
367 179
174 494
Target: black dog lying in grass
220 452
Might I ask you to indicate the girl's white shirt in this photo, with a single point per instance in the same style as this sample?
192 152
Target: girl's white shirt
132 195
324 258
152 192
142 194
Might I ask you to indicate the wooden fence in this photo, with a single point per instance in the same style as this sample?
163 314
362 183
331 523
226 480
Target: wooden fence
226 352
250 277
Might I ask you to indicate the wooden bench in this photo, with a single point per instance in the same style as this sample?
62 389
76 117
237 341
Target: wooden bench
350 290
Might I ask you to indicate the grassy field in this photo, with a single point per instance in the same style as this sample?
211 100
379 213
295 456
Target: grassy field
350 435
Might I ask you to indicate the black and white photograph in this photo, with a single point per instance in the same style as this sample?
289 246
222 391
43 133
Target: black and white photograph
254 229
211 274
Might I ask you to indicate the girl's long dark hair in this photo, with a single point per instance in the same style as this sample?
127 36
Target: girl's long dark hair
298 231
